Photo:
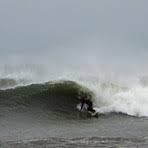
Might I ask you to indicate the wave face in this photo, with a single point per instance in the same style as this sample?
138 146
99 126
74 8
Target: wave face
60 97
54 98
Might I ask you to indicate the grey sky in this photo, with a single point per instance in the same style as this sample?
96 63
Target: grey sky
46 24
106 28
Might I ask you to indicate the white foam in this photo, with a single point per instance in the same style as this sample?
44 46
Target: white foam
132 102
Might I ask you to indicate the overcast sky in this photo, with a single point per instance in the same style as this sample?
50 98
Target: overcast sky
75 27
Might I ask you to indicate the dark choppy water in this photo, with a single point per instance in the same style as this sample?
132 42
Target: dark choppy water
80 142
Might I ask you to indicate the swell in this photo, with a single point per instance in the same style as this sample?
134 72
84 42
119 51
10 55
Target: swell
51 97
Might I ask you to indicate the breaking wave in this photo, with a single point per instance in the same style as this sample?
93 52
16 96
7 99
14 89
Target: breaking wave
60 97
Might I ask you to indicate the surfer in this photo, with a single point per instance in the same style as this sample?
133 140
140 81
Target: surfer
84 100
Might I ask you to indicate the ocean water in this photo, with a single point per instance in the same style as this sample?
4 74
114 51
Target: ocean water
44 114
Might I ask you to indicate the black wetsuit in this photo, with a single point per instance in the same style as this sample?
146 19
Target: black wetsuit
88 102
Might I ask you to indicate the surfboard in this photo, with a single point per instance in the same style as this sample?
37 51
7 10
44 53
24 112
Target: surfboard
95 114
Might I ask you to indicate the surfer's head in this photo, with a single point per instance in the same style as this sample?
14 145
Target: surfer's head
82 95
